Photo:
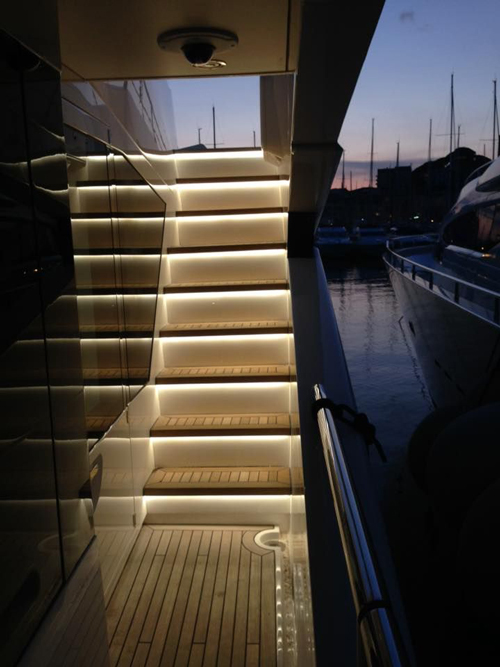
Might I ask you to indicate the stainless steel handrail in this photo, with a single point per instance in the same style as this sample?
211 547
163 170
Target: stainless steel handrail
381 639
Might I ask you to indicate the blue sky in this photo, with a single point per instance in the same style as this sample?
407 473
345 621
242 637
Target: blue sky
405 81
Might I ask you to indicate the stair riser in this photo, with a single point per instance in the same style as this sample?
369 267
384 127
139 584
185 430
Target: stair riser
222 451
220 196
224 398
127 233
215 230
114 353
108 309
228 266
225 307
236 510
227 350
108 269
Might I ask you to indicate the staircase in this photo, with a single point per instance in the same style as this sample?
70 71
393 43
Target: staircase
224 381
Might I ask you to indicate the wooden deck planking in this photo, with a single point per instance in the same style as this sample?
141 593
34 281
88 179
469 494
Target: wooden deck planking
219 480
226 328
226 286
199 596
221 374
274 423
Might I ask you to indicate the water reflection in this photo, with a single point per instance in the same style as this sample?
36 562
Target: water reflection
384 371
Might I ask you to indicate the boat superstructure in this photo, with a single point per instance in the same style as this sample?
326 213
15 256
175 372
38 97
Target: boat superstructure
179 497
448 288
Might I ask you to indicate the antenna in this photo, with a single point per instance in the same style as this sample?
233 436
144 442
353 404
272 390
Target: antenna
397 154
213 121
343 170
429 154
371 154
199 134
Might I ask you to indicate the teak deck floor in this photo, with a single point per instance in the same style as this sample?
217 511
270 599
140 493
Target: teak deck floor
197 596
218 481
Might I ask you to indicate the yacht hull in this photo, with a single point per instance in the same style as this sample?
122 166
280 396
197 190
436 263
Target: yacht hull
458 351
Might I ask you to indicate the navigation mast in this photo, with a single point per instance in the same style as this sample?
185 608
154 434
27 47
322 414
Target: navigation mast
371 153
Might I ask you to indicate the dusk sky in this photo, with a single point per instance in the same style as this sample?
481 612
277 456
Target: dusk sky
405 81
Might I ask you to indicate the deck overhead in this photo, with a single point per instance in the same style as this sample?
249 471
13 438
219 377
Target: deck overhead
118 40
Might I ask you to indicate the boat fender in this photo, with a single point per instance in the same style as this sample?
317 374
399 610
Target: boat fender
423 438
463 461
478 556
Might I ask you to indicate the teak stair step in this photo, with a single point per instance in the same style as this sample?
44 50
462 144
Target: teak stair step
113 376
230 179
220 480
226 328
114 331
223 286
98 425
226 248
124 288
211 374
229 211
275 423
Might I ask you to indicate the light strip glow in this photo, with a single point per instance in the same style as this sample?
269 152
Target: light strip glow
254 386
95 258
207 155
191 340
225 185
120 219
233 217
269 252
211 439
261 294
113 297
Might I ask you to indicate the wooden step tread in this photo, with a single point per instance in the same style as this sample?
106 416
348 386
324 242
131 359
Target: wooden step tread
275 423
114 331
98 425
226 286
115 376
228 211
195 374
226 328
226 248
220 480
124 288
97 250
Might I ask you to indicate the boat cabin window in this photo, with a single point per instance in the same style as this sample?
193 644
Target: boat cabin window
477 230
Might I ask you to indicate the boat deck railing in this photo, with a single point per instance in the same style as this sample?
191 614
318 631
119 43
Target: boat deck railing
484 303
378 631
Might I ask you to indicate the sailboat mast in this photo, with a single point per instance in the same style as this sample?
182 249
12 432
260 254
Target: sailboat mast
452 114
343 170
213 122
371 153
429 154
199 134
458 136
495 113
397 154
350 181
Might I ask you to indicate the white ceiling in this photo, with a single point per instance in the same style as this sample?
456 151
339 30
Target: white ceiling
116 39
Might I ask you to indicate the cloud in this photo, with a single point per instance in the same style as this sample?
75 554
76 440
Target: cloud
407 16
